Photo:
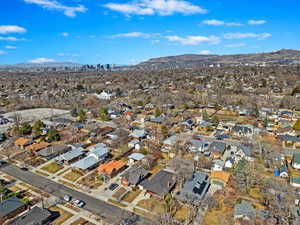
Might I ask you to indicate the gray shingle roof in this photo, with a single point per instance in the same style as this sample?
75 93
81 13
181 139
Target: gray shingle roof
244 209
71 154
289 138
217 146
35 216
247 149
86 162
161 183
9 205
194 189
135 174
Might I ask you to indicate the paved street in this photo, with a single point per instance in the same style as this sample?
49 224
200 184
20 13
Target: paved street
108 212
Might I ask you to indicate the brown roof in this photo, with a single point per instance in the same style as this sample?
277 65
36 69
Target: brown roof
22 141
38 146
109 167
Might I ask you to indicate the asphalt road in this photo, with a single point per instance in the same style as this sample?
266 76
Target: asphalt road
110 213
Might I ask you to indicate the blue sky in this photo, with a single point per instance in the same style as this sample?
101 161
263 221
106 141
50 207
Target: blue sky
130 31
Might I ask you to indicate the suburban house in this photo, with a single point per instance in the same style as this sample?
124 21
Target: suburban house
197 145
194 189
52 151
242 130
104 95
10 208
295 181
289 141
98 153
160 185
229 163
71 156
204 125
133 176
135 157
34 216
37 146
244 211
296 161
283 170
169 143
245 151
112 168
23 142
217 148
134 144
218 165
220 178
138 134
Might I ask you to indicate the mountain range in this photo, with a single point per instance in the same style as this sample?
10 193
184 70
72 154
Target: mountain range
280 57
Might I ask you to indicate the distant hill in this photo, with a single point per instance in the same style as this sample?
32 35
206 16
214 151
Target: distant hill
280 57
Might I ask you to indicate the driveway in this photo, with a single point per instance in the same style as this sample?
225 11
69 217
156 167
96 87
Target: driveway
110 213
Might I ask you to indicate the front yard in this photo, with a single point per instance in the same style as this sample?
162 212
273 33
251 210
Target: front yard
73 175
130 196
92 181
52 167
152 205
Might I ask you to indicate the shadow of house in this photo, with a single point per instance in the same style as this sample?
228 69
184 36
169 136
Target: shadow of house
35 216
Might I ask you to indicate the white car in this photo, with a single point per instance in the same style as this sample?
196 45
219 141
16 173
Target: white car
79 203
67 198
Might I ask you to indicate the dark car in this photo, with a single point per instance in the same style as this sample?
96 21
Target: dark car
24 168
2 163
113 186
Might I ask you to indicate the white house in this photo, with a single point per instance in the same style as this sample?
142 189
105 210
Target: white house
218 165
229 163
104 95
296 161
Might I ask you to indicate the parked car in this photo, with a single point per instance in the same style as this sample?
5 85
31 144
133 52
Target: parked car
2 163
79 203
67 198
113 186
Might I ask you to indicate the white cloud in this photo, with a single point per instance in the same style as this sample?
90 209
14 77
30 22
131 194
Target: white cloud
10 47
259 36
160 7
194 40
205 52
65 34
2 52
11 39
92 36
155 41
69 11
41 60
135 35
5 29
235 45
220 23
68 54
256 22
